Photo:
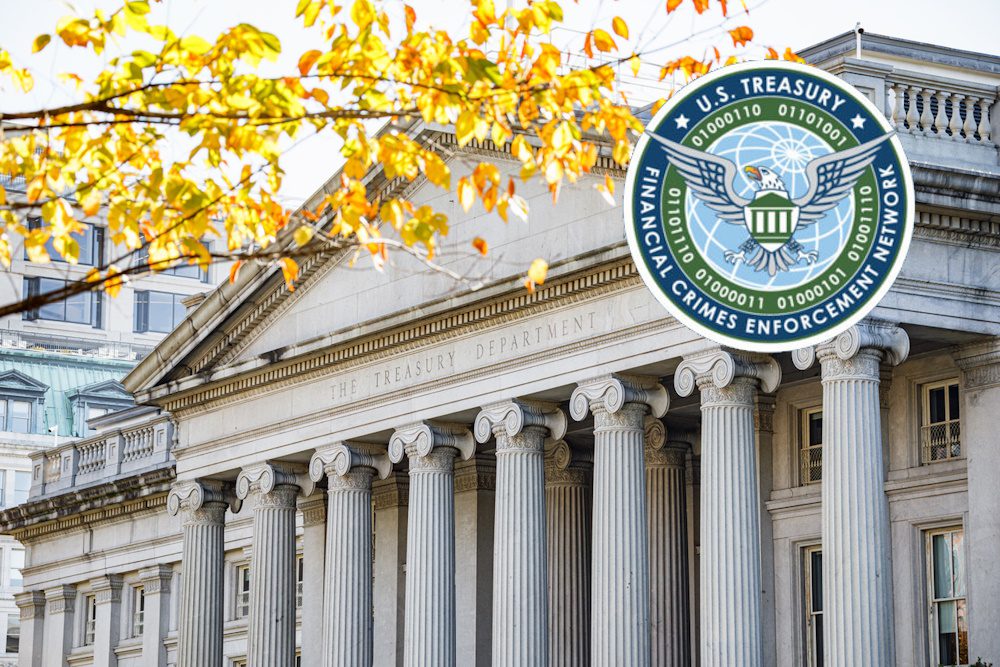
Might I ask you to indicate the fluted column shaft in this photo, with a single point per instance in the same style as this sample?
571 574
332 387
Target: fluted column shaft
567 521
666 499
347 632
730 528
520 615
202 506
857 578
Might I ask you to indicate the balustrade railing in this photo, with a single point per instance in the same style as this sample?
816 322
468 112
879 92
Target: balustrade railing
935 108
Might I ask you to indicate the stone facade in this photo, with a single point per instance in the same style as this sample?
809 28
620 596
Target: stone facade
565 477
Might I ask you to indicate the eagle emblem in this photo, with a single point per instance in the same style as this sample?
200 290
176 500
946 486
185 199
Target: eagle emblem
772 217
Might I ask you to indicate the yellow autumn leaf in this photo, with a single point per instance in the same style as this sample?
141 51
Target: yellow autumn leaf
537 271
620 27
40 43
466 194
603 41
480 244
303 234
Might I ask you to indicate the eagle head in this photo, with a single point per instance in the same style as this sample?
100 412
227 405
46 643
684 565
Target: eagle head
765 178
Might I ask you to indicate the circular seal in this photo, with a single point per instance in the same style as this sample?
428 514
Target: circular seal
769 206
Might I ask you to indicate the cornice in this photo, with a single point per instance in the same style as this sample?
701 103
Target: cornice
152 504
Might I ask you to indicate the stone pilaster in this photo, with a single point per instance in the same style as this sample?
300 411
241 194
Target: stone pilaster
271 627
202 506
32 607
666 500
313 511
429 627
475 486
108 598
59 625
568 474
763 421
156 582
980 396
520 617
390 500
857 574
730 577
620 577
347 619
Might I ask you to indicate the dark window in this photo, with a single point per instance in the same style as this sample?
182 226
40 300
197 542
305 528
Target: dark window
183 269
13 633
947 592
91 242
83 308
814 606
158 311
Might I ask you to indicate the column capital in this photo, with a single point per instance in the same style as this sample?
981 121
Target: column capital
510 418
342 457
422 438
195 495
156 579
479 473
660 451
393 491
612 392
566 464
264 478
31 604
60 599
980 362
313 510
107 588
868 334
720 367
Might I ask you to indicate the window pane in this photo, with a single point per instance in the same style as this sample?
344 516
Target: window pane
179 311
3 479
816 428
20 416
161 312
16 564
22 483
78 308
963 633
51 311
3 416
958 563
816 572
13 633
818 620
942 567
935 400
953 401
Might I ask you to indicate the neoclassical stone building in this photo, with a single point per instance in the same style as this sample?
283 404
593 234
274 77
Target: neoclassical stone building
381 469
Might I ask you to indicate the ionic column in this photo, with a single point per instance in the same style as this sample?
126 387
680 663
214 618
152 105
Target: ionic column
59 625
313 511
32 606
429 628
108 600
666 500
389 497
202 506
156 618
271 627
730 576
567 521
475 501
857 575
620 578
520 616
347 616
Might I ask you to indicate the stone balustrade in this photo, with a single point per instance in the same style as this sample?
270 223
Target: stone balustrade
103 456
938 107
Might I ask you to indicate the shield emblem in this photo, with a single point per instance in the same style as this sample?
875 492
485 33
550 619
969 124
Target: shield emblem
771 219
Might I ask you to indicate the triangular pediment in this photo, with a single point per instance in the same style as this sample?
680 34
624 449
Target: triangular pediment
110 390
16 380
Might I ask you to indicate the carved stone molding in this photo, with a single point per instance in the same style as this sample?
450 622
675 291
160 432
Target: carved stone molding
59 600
476 474
883 340
419 440
156 579
510 418
980 363
274 483
566 464
202 499
31 604
722 369
611 393
313 510
339 459
391 492
763 415
107 588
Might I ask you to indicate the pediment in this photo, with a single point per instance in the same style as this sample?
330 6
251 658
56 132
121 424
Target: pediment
16 380
109 390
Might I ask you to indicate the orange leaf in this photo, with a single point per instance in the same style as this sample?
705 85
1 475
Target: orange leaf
672 5
411 18
740 35
603 41
538 270
620 27
701 5
480 244
307 60
234 270
290 270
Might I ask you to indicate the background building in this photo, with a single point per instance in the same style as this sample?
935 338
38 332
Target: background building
434 419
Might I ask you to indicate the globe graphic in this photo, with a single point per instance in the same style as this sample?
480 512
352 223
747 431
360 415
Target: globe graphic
785 149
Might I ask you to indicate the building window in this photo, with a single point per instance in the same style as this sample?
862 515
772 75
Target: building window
158 311
14 577
83 308
940 429
812 578
91 241
240 662
138 610
299 578
182 270
22 484
811 451
15 415
13 640
89 619
242 591
949 623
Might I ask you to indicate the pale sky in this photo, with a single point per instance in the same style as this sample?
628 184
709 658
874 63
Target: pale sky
970 25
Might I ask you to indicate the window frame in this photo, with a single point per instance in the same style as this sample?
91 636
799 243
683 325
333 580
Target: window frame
241 607
933 646
299 580
142 257
813 654
31 286
12 616
137 625
89 630
96 245
140 311
954 426
9 566
805 447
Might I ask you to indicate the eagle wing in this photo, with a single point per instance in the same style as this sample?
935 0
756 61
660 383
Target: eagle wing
709 176
832 177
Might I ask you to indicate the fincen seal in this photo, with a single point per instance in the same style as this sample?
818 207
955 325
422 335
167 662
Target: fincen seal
769 206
